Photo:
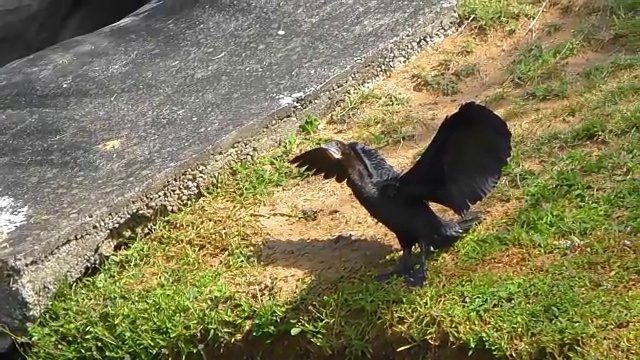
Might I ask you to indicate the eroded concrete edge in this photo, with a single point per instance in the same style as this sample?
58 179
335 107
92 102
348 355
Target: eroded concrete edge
27 288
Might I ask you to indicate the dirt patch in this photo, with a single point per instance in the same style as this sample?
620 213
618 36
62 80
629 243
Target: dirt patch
494 210
320 231
516 261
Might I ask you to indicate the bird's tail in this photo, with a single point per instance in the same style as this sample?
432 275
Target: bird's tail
458 229
469 219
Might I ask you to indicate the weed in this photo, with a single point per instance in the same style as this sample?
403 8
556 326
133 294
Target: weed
554 90
440 83
310 125
552 28
491 14
537 62
468 47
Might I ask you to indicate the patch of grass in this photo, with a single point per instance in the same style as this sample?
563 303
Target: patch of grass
353 103
468 47
443 78
381 129
598 73
626 23
495 97
548 91
378 119
466 71
538 63
255 179
437 82
493 14
310 125
552 28
553 273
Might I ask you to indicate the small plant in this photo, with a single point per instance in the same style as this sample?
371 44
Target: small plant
436 82
352 105
488 15
468 47
466 71
536 62
310 125
548 91
443 79
552 28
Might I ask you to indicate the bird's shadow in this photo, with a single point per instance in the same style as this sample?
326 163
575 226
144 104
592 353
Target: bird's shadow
332 258
327 259
333 262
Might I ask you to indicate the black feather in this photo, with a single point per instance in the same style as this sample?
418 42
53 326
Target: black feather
463 162
318 161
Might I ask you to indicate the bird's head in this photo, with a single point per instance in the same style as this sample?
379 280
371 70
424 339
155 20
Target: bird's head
334 148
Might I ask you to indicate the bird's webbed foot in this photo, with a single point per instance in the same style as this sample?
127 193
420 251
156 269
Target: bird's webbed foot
396 271
415 279
418 277
404 268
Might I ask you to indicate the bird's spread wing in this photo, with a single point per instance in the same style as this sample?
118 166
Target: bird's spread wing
376 165
463 162
319 161
353 160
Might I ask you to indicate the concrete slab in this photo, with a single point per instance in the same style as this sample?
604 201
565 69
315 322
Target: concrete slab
106 130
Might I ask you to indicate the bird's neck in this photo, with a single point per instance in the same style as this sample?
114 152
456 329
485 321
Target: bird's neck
358 173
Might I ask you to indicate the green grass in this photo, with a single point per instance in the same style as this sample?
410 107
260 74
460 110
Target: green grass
557 276
538 63
491 14
377 117
552 90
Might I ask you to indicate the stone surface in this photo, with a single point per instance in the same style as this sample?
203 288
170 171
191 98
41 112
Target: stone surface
105 129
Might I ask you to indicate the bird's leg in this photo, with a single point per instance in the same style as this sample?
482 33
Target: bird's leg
418 277
404 267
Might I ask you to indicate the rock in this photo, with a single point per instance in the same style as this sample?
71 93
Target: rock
91 15
28 26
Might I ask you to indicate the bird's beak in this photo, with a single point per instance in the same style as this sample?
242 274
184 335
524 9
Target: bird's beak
333 149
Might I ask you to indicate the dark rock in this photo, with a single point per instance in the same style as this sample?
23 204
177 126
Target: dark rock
28 26
89 15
